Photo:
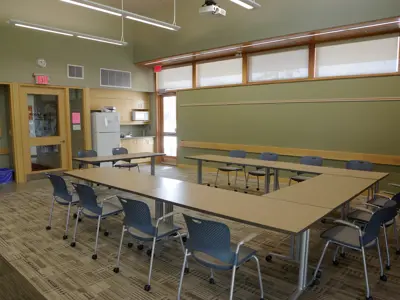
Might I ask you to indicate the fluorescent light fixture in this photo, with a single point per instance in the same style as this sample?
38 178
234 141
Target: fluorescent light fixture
102 40
43 29
146 20
66 32
248 4
94 6
119 12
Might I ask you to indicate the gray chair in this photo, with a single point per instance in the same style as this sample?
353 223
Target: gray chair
209 243
306 160
139 225
232 167
128 164
362 216
89 207
62 196
259 171
349 235
87 153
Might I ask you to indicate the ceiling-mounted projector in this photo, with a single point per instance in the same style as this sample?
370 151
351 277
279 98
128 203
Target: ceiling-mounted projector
210 7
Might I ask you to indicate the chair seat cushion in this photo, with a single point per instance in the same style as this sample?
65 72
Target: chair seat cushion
259 173
164 229
126 165
363 217
300 178
74 198
379 201
344 235
109 209
230 168
209 261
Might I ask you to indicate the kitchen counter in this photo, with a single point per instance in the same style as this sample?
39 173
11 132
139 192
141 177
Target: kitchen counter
138 137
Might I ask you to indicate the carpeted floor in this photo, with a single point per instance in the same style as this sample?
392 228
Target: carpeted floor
58 271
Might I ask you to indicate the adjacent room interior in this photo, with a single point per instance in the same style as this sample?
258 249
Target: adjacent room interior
218 149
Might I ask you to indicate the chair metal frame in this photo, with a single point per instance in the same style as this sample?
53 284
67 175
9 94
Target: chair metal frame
269 156
129 164
233 153
304 161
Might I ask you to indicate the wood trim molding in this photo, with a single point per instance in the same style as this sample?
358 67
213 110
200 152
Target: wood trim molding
87 127
398 60
326 154
311 60
245 68
4 151
194 75
372 99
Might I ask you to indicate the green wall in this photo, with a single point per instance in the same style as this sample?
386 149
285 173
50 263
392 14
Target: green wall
366 127
21 48
274 18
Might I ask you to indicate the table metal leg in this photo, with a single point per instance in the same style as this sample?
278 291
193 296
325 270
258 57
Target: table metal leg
153 165
168 207
159 209
276 179
267 181
199 171
302 284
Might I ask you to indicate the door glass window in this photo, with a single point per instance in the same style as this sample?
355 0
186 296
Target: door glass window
42 114
169 107
45 157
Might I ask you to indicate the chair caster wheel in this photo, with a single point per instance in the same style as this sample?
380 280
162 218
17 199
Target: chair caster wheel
147 287
208 184
148 252
75 216
106 233
319 274
211 281
343 254
79 220
247 186
94 256
258 189
65 237
323 221
229 183
116 270
315 282
369 298
398 252
388 267
335 262
130 245
383 278
235 190
245 192
187 271
73 244
48 227
140 247
268 258
216 186
184 239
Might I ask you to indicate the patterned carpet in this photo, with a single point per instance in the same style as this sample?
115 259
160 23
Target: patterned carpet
58 271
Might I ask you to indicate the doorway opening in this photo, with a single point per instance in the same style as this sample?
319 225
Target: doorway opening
169 142
6 152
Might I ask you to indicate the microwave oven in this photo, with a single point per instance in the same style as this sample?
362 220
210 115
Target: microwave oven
139 115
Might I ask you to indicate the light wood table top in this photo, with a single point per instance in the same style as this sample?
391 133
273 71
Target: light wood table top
269 213
290 166
113 158
328 191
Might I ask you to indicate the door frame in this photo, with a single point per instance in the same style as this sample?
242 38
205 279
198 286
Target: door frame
160 128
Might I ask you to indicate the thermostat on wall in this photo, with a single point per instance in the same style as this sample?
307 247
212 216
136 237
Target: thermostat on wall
41 62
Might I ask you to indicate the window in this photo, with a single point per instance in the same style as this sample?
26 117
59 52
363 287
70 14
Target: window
365 56
175 78
279 65
219 72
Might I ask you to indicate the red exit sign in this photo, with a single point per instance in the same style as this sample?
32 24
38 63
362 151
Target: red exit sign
41 79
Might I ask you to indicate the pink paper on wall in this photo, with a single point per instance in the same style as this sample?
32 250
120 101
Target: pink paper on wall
76 118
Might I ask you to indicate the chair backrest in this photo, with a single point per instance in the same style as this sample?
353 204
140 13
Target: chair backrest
87 198
269 156
87 153
311 160
381 216
237 153
137 215
396 198
120 150
59 187
210 237
360 165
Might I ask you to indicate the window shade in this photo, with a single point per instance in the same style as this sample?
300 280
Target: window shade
219 72
175 78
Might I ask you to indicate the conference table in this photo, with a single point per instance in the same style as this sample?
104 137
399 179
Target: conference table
280 165
283 213
121 157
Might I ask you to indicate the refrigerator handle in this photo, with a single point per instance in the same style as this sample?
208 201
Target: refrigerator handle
106 122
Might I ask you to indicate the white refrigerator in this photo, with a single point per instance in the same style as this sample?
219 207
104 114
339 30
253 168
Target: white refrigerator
105 133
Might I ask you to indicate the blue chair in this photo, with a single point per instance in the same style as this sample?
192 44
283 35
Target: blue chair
62 196
128 164
306 160
259 171
87 153
139 225
209 243
349 235
89 207
362 216
361 165
231 167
